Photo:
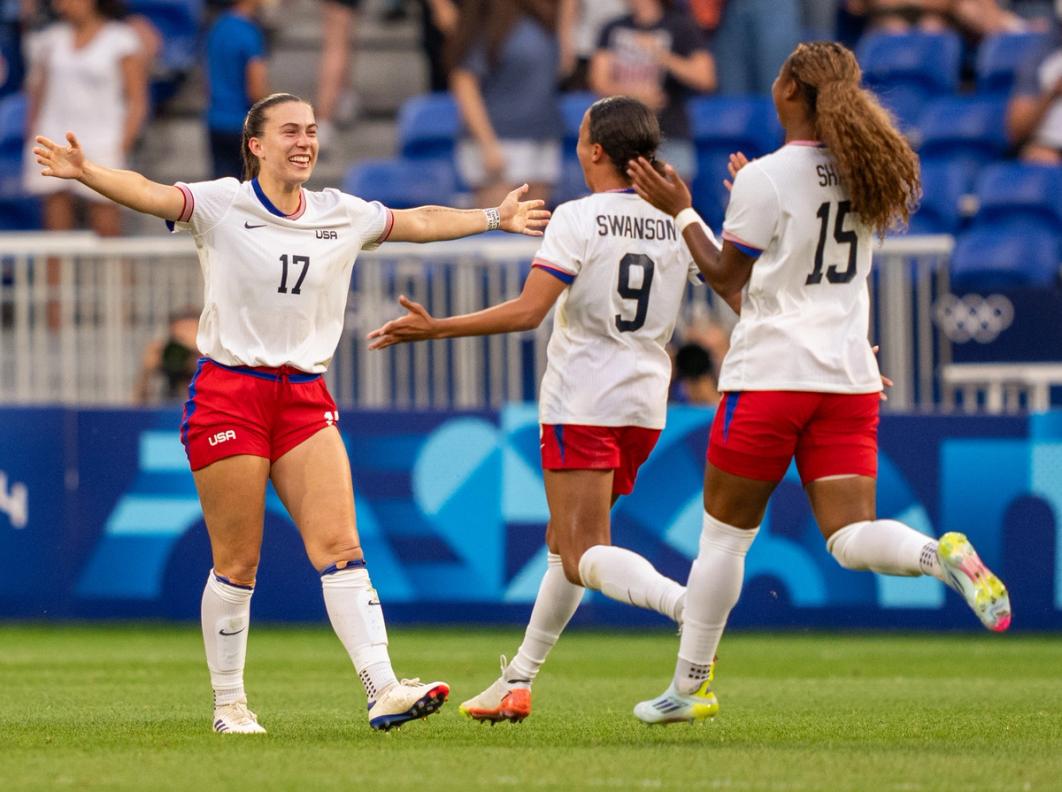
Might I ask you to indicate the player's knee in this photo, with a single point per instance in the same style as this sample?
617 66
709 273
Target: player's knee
238 571
570 564
843 546
336 551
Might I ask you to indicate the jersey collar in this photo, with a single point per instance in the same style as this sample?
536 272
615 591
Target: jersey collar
264 200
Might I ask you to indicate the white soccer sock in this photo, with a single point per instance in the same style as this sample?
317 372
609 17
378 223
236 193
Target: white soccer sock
627 577
711 593
226 617
885 546
556 602
357 618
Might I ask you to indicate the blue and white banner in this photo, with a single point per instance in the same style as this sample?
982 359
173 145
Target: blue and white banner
99 518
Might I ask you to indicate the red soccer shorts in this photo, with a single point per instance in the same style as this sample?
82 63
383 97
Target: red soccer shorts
755 434
621 449
264 412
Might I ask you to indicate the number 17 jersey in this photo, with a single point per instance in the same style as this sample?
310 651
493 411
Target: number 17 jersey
276 285
626 268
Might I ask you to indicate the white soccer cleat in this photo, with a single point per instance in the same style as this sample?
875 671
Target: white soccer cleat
966 573
405 701
674 707
499 702
235 718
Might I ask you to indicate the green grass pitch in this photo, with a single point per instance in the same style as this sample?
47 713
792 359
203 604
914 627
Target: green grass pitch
128 707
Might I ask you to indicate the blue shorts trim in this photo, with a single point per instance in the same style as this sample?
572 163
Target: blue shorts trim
249 371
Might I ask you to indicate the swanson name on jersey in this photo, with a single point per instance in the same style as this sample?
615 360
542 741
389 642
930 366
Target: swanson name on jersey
635 227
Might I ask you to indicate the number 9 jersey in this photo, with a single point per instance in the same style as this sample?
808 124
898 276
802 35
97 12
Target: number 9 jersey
276 285
805 311
627 270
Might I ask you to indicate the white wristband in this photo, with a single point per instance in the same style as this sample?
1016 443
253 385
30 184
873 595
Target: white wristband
686 217
493 219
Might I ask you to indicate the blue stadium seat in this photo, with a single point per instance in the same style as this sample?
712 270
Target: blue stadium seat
994 257
572 184
402 184
721 125
428 127
734 123
18 211
177 22
1016 190
11 66
1001 57
573 106
907 70
12 125
967 130
944 183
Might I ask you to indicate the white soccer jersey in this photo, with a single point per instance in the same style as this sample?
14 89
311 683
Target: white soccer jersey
627 269
276 285
805 311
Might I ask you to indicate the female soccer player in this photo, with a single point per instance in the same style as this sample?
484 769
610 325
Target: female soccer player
617 269
277 261
800 378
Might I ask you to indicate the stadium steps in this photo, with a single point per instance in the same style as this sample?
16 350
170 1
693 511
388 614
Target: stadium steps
388 68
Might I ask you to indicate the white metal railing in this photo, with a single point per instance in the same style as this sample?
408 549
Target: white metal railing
77 311
1000 387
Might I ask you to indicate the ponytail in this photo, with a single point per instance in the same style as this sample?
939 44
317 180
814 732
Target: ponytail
876 164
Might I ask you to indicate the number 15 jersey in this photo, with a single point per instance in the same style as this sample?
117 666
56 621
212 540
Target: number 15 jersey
805 310
627 270
276 285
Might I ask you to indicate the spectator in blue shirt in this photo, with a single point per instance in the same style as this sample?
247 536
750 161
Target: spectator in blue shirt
505 60
238 77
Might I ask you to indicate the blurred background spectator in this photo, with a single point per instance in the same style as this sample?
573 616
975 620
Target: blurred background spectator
336 102
237 77
168 363
694 376
438 23
753 40
88 72
657 55
588 19
506 58
1034 115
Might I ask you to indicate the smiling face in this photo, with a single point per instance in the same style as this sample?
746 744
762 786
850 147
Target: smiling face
287 148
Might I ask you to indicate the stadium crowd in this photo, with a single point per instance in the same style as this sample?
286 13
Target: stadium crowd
975 84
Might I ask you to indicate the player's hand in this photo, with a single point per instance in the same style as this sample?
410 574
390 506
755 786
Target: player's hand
736 163
667 192
416 325
63 162
885 381
522 217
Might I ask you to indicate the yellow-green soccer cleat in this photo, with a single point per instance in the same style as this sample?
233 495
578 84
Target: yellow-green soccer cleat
675 707
966 573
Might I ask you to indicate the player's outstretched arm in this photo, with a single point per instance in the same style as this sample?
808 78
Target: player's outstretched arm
122 186
525 312
435 223
727 270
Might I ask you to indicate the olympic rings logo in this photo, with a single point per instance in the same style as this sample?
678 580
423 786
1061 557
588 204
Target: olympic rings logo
973 317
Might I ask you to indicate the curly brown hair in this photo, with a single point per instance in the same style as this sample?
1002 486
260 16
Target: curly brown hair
876 163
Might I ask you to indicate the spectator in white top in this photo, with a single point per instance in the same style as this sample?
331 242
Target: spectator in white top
1034 115
87 72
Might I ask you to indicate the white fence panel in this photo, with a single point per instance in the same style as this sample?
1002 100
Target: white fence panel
77 312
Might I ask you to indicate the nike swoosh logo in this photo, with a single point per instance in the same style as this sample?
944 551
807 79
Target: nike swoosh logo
248 225
222 632
371 602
